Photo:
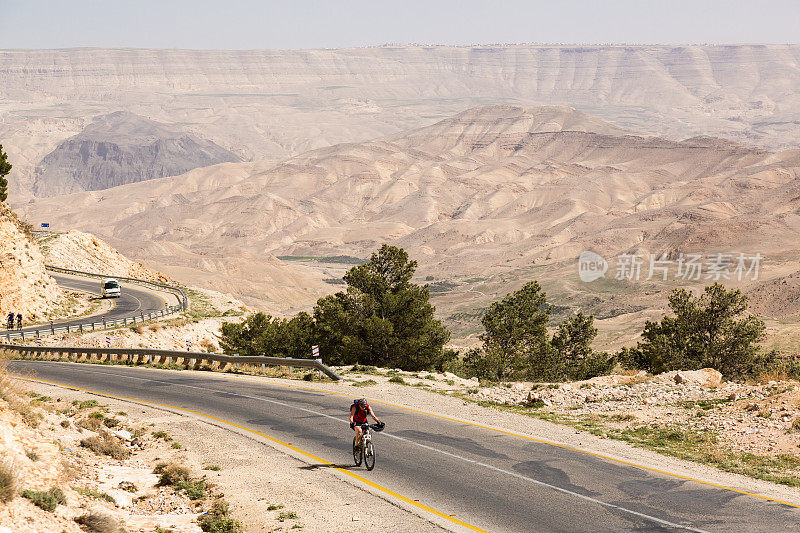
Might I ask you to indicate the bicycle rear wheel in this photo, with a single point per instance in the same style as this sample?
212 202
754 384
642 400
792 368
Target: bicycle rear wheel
357 455
369 456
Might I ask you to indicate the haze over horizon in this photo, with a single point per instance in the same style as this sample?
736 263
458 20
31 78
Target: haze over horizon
247 24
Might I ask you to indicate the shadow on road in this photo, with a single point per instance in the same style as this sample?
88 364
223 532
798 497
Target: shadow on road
319 465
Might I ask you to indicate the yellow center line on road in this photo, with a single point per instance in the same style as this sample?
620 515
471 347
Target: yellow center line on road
295 449
534 439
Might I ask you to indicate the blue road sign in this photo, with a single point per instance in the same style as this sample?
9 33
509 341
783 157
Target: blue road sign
45 224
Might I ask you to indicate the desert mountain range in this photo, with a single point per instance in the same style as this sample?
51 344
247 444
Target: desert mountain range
272 104
485 200
121 148
467 156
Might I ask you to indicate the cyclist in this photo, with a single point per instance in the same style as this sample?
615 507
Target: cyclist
19 320
358 415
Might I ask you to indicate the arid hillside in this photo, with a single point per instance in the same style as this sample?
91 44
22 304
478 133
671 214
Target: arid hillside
121 148
270 104
80 251
25 286
485 200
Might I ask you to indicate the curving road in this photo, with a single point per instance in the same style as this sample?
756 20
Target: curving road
132 302
483 478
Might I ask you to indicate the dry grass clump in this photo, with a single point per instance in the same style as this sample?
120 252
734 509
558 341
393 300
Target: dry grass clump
208 346
776 374
219 520
634 379
91 493
105 444
14 396
172 474
180 478
95 522
92 424
8 482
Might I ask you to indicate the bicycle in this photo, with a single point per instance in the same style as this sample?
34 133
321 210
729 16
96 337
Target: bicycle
366 450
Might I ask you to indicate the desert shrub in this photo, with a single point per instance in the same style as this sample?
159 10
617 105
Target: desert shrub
8 483
127 486
47 500
32 455
65 424
92 424
214 468
137 328
86 404
95 494
31 416
172 474
161 435
397 379
208 346
105 444
218 520
111 422
95 522
771 366
194 489
595 364
59 495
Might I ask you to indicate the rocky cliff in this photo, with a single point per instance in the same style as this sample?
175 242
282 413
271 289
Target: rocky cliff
122 148
81 251
25 286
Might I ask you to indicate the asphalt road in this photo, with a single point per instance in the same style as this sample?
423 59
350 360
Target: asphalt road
491 480
133 301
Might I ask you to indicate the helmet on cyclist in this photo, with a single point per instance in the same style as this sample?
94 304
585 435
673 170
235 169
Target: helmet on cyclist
362 402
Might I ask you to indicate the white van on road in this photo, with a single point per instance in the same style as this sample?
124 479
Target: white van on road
111 288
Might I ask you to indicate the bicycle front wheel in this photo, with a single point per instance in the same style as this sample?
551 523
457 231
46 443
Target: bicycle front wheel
357 457
369 456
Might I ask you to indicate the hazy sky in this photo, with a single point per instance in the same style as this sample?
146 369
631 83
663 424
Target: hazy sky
246 24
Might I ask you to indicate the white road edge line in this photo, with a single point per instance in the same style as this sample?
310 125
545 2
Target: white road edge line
485 465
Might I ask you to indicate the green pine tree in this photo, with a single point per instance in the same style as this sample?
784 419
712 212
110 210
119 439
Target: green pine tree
5 168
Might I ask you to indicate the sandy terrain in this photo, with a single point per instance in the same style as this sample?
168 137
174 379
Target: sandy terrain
484 201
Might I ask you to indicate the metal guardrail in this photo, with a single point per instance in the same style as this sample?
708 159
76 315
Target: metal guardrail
190 360
175 289
52 329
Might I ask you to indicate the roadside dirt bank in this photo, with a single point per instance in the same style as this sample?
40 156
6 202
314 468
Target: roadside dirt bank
268 490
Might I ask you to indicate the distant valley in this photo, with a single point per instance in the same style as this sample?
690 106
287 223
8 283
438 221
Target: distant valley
485 200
